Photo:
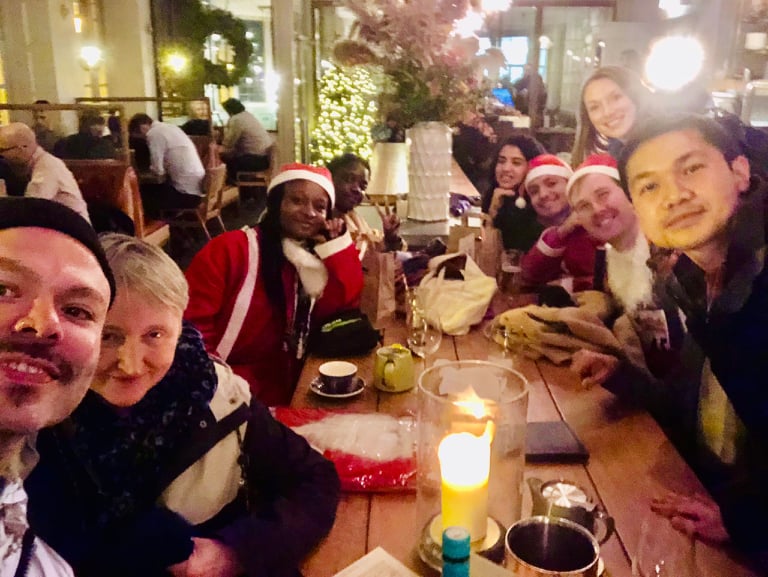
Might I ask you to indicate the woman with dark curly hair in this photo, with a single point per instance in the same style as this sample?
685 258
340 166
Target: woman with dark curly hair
505 201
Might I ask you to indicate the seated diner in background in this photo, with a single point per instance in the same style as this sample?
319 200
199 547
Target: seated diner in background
247 144
564 253
256 293
46 176
175 178
89 142
41 125
168 466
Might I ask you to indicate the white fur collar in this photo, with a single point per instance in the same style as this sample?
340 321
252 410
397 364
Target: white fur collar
312 271
629 278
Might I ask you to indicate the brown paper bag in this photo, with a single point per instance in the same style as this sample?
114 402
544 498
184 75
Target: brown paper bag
378 298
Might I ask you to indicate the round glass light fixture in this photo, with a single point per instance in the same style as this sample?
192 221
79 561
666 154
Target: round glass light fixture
674 61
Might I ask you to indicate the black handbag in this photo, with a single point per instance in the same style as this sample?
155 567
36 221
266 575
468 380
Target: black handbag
346 334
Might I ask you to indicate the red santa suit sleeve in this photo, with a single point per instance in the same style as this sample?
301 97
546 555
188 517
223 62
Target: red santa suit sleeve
259 353
554 257
345 277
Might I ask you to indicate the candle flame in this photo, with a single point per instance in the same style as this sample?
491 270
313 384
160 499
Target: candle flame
465 458
471 403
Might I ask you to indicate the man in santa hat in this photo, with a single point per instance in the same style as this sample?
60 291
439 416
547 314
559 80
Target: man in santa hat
564 251
649 326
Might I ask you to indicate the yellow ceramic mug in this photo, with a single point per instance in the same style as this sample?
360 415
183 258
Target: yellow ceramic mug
393 371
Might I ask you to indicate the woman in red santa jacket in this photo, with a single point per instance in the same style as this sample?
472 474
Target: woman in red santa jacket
255 293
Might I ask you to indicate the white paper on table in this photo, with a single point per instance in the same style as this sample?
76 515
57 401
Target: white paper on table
377 563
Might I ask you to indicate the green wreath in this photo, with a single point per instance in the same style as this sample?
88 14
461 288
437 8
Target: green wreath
195 25
233 30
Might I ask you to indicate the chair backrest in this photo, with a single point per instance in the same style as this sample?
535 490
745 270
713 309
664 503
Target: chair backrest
213 184
100 180
207 149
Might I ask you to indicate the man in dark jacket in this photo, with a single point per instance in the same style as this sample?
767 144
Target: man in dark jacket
690 183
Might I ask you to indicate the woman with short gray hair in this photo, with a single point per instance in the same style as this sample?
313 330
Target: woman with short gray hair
168 466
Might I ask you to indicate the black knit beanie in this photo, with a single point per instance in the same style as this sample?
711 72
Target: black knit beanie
18 212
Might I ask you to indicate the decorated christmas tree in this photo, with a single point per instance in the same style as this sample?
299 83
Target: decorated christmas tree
346 112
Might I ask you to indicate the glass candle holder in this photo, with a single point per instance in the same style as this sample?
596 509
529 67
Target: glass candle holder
471 454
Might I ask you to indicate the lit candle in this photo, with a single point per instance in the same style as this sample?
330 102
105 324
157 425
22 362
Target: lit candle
465 463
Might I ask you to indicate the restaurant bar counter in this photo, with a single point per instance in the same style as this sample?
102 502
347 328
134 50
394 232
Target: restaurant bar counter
631 461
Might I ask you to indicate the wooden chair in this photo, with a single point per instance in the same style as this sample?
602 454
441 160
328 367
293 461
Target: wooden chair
209 207
256 179
114 183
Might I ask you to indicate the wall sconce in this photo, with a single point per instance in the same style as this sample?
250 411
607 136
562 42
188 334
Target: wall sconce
176 62
90 56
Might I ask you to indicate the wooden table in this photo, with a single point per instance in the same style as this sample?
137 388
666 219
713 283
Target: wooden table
631 461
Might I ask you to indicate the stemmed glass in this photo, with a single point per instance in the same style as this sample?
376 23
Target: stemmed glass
663 551
423 336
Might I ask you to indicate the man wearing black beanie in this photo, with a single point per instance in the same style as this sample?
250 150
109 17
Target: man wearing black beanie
55 289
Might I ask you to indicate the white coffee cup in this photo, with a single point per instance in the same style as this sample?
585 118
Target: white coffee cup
338 377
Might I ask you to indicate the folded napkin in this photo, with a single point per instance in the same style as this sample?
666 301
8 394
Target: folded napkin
554 333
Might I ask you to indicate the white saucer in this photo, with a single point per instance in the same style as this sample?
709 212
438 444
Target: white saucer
316 386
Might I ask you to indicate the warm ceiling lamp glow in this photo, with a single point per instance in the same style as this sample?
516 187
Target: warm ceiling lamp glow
672 8
674 61
90 55
467 26
495 5
177 62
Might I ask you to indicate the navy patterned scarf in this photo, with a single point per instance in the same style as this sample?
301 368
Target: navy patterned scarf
123 455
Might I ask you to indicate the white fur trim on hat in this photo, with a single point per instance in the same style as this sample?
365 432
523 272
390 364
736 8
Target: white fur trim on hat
591 169
547 169
300 174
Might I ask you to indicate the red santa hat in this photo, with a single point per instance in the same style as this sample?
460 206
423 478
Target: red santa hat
594 164
297 171
547 165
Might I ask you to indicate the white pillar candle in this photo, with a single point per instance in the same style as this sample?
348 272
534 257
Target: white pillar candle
465 463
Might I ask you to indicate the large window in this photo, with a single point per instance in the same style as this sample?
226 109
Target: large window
252 86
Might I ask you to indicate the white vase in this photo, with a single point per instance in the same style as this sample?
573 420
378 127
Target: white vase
429 171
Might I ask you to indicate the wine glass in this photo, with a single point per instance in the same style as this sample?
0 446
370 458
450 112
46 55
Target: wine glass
423 336
663 551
